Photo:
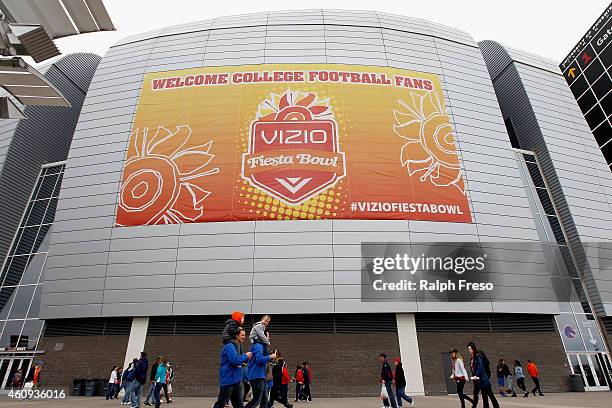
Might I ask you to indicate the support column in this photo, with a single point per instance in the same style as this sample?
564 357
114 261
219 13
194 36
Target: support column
409 353
136 343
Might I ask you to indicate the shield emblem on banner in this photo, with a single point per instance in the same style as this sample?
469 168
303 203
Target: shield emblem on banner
294 151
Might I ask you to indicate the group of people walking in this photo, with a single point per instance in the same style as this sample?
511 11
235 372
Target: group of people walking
261 371
481 377
134 377
388 377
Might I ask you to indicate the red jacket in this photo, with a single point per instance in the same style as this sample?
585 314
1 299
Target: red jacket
299 377
286 377
532 369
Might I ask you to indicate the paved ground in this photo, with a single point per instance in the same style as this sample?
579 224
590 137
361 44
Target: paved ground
574 400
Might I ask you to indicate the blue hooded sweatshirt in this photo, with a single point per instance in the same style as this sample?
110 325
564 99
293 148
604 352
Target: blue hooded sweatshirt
230 368
257 364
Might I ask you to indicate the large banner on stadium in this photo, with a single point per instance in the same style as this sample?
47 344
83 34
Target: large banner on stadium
291 141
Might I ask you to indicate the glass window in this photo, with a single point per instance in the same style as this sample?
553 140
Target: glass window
587 101
22 301
545 201
32 271
594 71
5 301
15 270
35 307
50 215
536 176
602 86
47 187
595 116
607 151
58 185
37 213
603 133
11 333
606 104
31 329
579 86
26 241
41 236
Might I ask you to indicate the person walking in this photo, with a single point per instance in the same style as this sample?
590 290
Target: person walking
482 382
298 377
534 373
281 379
160 380
502 372
460 376
152 380
140 378
110 388
17 380
509 382
230 373
118 381
386 378
169 379
520 377
307 375
400 384
126 381
256 374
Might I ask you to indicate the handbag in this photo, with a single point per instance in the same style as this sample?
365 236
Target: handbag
460 379
383 393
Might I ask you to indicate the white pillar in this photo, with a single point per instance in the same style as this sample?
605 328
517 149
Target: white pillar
409 353
136 343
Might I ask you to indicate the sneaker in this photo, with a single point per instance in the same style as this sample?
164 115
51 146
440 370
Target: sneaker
526 395
541 395
411 402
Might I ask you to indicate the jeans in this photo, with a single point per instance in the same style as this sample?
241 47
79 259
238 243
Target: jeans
258 386
521 384
462 396
110 390
298 391
231 393
400 392
509 385
279 393
158 387
389 387
133 392
487 393
126 385
306 391
150 394
536 382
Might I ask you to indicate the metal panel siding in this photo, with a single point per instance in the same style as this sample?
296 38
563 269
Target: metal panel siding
575 174
44 137
203 266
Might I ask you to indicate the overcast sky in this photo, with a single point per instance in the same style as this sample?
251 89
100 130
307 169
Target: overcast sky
545 27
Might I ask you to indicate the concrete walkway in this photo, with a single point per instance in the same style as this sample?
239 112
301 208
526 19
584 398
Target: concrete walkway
573 400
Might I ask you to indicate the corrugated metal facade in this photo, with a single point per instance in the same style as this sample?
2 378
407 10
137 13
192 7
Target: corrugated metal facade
96 269
44 137
534 96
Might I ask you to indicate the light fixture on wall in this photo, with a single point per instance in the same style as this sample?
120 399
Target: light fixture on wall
27 28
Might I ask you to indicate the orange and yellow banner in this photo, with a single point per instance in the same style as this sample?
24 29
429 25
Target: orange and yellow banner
291 141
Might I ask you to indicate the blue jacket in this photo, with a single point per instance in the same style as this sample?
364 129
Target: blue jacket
257 364
479 371
140 370
230 368
160 376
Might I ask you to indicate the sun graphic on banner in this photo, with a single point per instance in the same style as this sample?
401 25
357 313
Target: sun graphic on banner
294 105
164 182
429 152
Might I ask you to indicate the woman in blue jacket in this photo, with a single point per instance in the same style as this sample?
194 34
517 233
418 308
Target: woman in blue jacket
160 380
482 382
